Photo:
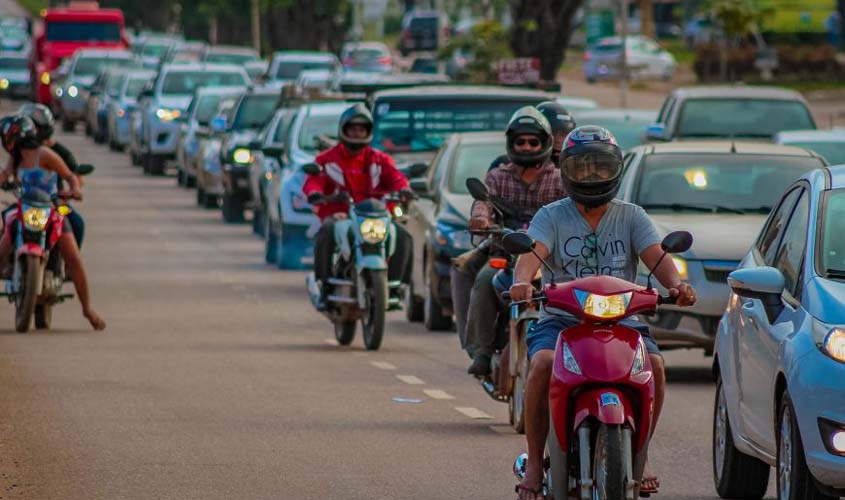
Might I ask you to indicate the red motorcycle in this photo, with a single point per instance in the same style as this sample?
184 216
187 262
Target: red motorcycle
602 388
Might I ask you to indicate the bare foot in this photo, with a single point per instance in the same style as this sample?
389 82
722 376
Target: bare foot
531 488
95 319
650 484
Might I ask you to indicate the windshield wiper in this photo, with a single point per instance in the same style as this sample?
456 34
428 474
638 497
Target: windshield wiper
835 274
699 207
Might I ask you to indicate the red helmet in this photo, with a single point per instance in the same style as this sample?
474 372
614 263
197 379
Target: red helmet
18 132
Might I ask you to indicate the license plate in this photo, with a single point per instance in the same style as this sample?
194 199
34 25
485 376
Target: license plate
610 399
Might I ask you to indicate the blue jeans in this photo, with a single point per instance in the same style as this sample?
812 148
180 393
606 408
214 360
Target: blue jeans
543 334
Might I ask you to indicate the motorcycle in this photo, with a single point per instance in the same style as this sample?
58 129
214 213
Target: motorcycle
364 241
602 390
38 271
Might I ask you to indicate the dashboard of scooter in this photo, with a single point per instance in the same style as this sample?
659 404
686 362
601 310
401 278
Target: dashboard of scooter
600 298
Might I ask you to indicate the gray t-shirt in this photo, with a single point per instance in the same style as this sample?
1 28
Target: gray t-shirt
577 251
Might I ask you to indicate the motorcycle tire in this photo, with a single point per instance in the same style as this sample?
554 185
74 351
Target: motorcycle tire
344 332
25 300
43 316
376 308
516 403
609 463
414 306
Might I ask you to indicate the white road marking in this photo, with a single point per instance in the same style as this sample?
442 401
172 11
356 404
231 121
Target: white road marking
410 379
437 394
473 413
382 365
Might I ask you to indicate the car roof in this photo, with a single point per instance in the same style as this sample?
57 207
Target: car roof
199 66
326 108
736 147
110 53
738 92
479 137
615 113
479 92
303 55
790 136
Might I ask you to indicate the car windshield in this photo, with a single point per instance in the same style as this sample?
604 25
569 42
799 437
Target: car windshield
752 118
91 66
315 126
255 111
62 31
290 70
229 58
422 125
833 151
628 130
717 182
134 86
154 50
206 107
114 83
833 234
366 54
13 63
186 82
473 160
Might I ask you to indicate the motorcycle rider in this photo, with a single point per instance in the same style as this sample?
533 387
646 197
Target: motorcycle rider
528 181
39 167
45 124
590 233
562 124
354 167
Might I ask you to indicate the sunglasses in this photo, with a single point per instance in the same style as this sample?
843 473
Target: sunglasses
534 143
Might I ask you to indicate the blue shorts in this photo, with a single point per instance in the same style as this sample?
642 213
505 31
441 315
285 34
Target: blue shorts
543 334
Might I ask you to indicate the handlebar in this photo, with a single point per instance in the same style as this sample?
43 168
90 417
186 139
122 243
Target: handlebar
539 296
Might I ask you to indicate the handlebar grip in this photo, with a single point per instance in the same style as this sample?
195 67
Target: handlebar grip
506 295
667 300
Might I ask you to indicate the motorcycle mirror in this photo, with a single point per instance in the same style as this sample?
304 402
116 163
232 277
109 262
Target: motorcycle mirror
84 169
478 190
516 243
677 242
311 168
417 170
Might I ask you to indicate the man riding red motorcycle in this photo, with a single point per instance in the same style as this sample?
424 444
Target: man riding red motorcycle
355 168
588 234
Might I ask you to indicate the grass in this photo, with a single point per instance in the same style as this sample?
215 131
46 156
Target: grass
678 48
33 6
804 85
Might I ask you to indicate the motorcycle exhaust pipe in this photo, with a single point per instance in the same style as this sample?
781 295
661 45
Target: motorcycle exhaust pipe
519 466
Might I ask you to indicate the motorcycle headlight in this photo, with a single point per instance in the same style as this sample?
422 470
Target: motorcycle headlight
834 344
4 83
373 230
681 266
639 360
168 115
35 219
72 91
242 155
603 306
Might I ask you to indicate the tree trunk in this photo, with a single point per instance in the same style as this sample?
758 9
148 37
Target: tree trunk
308 24
647 27
541 29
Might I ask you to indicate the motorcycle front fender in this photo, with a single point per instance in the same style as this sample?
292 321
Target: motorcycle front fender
373 262
607 405
30 249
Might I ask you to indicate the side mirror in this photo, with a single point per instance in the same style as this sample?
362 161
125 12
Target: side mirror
478 190
218 124
656 132
416 170
84 169
274 151
677 242
420 186
517 243
311 168
763 283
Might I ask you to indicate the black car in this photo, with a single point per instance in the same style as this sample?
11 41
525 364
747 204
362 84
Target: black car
423 30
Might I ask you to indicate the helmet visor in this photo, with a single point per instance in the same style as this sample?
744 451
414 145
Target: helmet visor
591 168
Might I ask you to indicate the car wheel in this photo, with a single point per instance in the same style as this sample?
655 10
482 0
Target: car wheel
286 254
155 164
414 305
434 318
735 474
180 177
200 196
233 208
257 221
794 480
271 242
190 181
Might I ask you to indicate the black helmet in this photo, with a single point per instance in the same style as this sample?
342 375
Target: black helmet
591 165
18 132
41 116
357 114
529 121
559 118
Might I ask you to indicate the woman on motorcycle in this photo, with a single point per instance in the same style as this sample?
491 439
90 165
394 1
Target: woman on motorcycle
39 167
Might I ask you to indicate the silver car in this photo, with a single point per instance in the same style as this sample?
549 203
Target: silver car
14 75
721 192
210 168
84 67
286 65
646 60
121 107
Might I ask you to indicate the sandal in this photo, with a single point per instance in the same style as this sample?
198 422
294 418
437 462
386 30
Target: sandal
521 491
649 486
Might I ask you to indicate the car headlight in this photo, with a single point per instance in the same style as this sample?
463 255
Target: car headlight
681 266
73 91
35 219
373 230
834 344
168 115
242 155
603 306
4 83
59 92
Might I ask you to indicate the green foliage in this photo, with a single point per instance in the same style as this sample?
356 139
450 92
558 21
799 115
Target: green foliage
484 45
33 6
738 17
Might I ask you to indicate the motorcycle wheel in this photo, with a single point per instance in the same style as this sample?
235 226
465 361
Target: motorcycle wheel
609 464
375 297
516 404
43 316
344 332
25 299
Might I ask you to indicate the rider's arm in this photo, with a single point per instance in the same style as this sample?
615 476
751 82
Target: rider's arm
315 184
391 180
481 215
53 162
667 274
526 268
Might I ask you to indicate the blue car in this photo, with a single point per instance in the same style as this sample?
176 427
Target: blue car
780 351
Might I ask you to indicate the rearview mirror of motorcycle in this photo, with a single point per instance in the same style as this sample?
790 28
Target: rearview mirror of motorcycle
479 191
518 243
417 170
311 168
674 242
84 169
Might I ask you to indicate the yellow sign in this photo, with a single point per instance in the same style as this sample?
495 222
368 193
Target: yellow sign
797 16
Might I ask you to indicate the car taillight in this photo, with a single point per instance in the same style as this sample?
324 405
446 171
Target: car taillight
385 60
347 61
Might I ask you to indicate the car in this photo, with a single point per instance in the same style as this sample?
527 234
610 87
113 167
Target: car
627 125
168 98
370 57
209 169
15 38
230 54
250 114
780 351
721 192
121 107
291 222
152 50
353 82
426 30
185 51
315 78
14 75
286 65
438 222
646 60
828 143
733 112
196 126
105 88
83 69
574 103
256 70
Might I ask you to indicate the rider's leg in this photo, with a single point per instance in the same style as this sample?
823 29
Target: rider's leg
78 226
484 308
399 264
461 279
76 271
323 250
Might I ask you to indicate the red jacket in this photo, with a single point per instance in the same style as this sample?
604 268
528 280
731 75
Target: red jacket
368 174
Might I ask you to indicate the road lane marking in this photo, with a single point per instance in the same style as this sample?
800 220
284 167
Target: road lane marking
382 365
410 379
437 394
473 413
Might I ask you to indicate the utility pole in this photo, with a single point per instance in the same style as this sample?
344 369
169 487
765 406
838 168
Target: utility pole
256 25
623 70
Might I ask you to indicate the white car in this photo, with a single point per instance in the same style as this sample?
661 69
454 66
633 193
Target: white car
646 60
286 65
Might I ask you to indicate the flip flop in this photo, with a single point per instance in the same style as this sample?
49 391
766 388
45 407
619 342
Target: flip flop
649 486
534 493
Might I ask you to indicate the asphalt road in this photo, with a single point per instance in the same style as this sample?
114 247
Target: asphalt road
216 380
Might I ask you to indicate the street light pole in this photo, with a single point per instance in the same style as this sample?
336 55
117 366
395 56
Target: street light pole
623 71
256 26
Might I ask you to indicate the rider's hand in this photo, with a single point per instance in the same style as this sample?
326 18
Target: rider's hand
521 291
76 195
479 223
406 195
685 294
316 198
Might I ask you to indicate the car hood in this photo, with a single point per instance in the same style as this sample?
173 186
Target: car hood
456 209
242 137
174 102
825 300
84 81
715 236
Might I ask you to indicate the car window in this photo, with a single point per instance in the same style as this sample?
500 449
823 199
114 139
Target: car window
282 126
186 82
438 165
290 70
206 107
314 127
134 86
665 109
91 66
767 242
832 256
747 118
113 85
254 111
790 252
469 162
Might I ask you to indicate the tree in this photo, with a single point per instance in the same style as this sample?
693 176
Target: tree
541 29
308 24
739 19
485 44
647 27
